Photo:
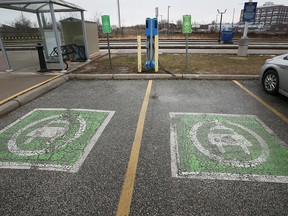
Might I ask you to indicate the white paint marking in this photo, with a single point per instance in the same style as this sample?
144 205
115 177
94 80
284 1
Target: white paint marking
45 132
233 177
174 148
215 176
51 132
261 159
231 138
65 168
92 142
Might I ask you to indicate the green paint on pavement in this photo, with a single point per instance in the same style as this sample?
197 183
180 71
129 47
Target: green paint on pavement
236 145
56 139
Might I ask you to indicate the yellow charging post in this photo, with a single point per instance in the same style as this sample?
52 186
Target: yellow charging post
139 53
156 53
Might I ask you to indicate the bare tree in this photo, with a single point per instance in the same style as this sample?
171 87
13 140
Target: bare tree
179 24
96 18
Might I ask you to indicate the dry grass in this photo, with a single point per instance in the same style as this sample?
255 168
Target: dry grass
213 64
175 63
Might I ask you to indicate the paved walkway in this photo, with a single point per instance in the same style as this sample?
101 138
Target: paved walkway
25 77
14 83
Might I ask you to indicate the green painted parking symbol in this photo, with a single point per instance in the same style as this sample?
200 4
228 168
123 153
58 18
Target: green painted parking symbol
52 139
226 147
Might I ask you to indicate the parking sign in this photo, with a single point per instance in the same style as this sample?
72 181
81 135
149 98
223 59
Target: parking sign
249 12
186 24
106 28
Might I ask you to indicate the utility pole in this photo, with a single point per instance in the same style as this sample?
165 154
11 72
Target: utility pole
221 13
233 18
156 12
216 22
119 19
168 16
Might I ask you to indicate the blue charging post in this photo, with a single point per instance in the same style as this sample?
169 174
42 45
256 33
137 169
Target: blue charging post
151 32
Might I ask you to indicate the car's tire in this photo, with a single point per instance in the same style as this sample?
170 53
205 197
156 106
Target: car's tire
270 81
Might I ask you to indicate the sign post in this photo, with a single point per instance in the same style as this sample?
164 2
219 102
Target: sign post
106 29
249 14
186 29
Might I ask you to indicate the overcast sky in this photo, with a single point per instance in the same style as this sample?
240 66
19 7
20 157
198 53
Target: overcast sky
135 11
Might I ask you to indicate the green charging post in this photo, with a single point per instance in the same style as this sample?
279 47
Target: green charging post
106 29
186 29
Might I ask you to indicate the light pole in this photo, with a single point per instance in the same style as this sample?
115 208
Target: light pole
221 13
216 22
233 18
168 16
156 12
119 20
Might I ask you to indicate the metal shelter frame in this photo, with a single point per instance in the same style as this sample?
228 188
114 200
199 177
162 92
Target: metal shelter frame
44 6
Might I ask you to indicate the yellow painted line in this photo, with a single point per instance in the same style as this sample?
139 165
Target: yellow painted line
27 90
284 118
128 185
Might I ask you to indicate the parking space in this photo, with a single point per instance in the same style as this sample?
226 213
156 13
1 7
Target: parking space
207 147
157 193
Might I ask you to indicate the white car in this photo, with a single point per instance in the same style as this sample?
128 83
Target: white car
274 75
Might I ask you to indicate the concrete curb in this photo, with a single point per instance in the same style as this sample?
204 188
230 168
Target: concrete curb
9 107
90 76
219 77
31 95
35 93
144 76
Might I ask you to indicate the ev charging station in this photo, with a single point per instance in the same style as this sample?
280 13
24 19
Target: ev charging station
151 32
151 46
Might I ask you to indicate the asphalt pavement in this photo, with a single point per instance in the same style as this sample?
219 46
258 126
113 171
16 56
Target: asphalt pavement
169 179
122 144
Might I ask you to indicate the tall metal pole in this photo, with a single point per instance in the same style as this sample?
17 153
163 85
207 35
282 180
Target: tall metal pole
119 20
156 12
57 37
186 52
85 36
168 16
43 36
221 13
216 22
5 56
109 52
233 18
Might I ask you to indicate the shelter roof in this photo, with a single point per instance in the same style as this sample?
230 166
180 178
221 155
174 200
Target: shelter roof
39 6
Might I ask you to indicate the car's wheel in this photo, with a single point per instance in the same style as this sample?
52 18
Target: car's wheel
270 82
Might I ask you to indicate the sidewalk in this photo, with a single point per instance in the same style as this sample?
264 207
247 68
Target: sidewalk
14 83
